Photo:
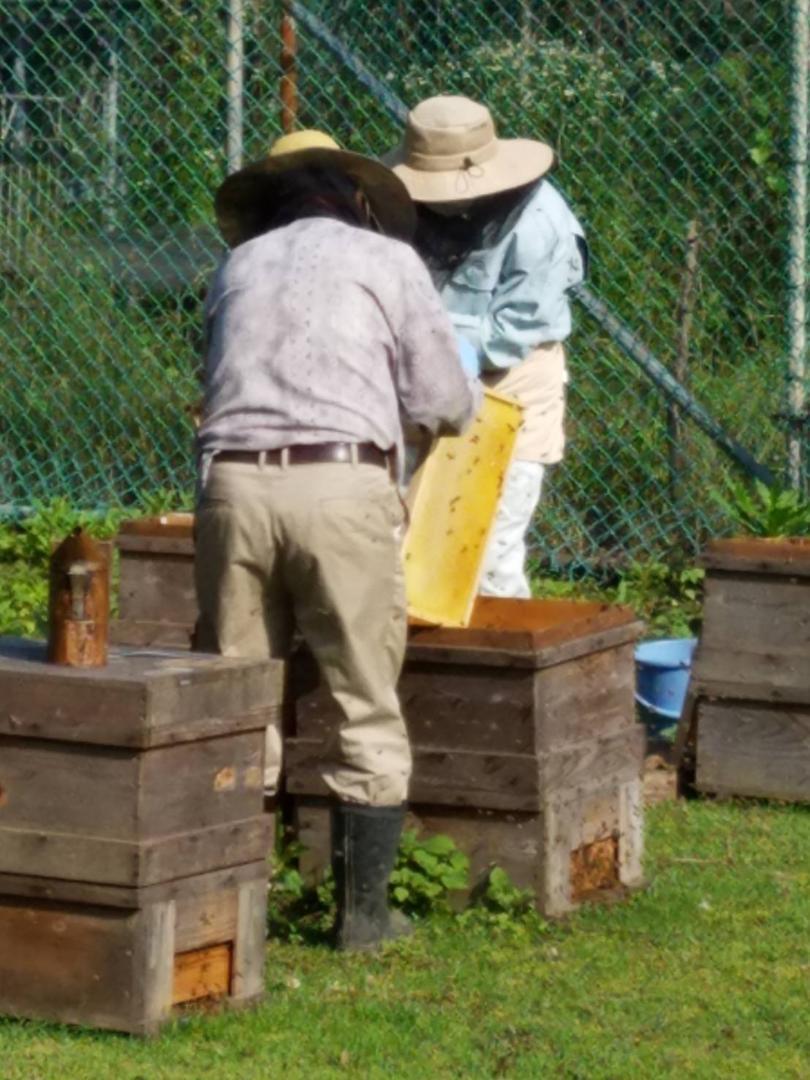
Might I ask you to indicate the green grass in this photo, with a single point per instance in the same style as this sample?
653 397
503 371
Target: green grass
705 974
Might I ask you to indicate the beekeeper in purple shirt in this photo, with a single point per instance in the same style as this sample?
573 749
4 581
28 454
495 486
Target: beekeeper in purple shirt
323 332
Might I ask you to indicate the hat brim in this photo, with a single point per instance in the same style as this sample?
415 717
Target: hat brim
242 199
517 162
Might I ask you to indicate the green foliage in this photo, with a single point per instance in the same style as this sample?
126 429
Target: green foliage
297 911
668 596
501 907
25 547
426 873
761 510
31 538
23 599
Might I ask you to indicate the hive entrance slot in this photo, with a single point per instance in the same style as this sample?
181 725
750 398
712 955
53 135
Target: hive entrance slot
203 973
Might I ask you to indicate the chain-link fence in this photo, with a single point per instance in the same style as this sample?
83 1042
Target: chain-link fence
676 143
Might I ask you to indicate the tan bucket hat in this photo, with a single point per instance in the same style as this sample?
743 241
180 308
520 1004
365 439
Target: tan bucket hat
240 198
451 153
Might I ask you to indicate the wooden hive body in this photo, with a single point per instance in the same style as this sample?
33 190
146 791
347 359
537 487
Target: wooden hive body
157 601
526 747
131 825
746 725
526 750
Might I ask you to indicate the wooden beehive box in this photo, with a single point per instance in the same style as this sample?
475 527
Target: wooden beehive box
133 841
747 718
157 602
532 679
526 748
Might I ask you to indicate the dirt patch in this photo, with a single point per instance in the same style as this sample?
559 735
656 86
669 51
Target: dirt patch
660 780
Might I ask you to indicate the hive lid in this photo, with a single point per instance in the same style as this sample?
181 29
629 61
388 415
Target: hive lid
162 534
527 633
178 524
759 555
141 698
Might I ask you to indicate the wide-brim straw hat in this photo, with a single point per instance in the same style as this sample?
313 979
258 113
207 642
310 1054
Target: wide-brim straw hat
451 153
241 201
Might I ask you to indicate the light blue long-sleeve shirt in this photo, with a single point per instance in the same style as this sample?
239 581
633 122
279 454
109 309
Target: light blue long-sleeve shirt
512 295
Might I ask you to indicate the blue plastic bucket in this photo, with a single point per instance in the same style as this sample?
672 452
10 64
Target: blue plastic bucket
662 676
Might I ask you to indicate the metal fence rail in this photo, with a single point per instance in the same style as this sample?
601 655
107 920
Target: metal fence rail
681 136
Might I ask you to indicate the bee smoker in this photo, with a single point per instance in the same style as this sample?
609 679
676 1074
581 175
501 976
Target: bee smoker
79 603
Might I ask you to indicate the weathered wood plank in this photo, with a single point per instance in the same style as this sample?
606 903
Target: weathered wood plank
200 784
70 964
142 698
146 633
45 785
759 555
631 834
764 610
173 524
477 709
130 863
131 897
136 799
178 546
587 698
753 750
493 781
183 701
60 705
542 657
451 777
756 632
153 948
125 968
615 759
784 671
249 950
484 708
529 627
160 587
205 918
750 691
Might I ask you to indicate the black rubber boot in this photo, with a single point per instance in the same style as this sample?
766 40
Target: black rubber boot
364 848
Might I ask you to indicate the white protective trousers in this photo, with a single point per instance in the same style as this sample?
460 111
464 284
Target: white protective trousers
504 571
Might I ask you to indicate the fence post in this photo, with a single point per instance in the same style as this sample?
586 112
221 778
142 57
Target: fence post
110 116
681 371
289 74
797 255
236 82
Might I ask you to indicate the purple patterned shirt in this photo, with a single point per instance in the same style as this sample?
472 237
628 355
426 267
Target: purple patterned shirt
323 332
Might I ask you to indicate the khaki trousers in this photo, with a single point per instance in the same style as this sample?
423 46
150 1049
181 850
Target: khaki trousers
315 547
537 384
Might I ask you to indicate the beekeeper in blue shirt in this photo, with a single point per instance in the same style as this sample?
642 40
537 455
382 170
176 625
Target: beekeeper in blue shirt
504 249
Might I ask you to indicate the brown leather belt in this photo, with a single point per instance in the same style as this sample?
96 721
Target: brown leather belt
302 454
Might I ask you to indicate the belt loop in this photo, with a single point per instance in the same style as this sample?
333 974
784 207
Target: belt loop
354 454
284 457
262 460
